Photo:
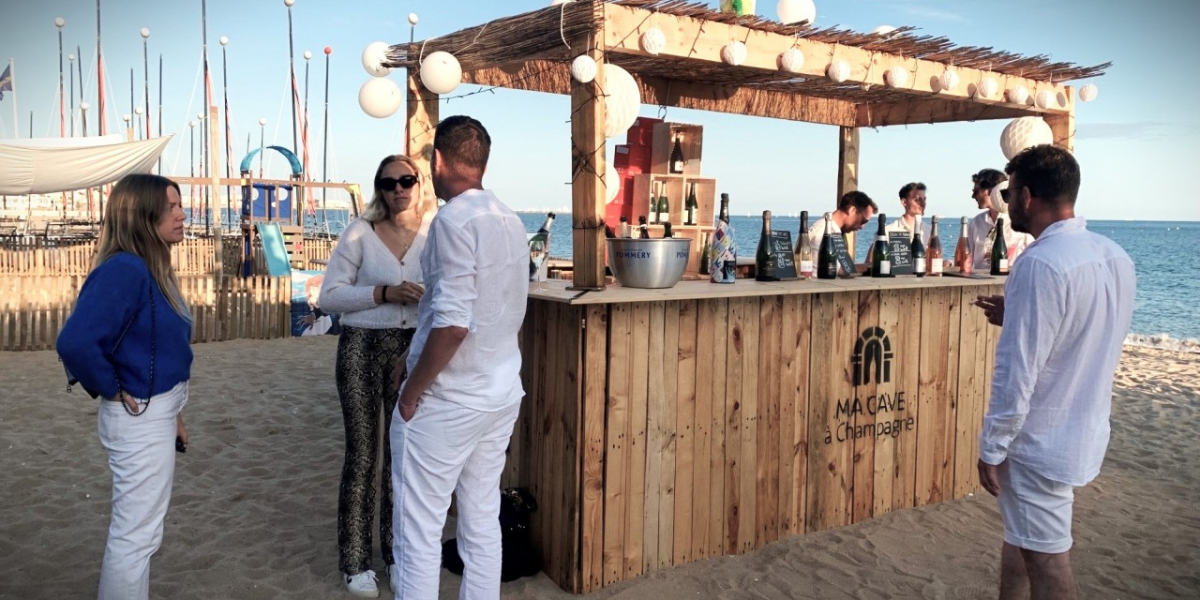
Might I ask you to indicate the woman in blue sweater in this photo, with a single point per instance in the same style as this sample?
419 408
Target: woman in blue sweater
128 342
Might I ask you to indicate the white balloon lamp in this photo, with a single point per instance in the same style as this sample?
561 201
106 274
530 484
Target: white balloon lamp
792 60
1023 133
795 11
584 68
623 102
373 57
1045 99
654 41
734 53
1089 92
839 70
948 80
988 87
883 30
1018 94
441 73
896 77
380 97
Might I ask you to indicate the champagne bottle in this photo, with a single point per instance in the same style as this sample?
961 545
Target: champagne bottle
691 206
623 228
999 250
546 226
664 207
881 254
723 265
645 230
677 161
804 257
764 257
652 208
962 252
608 231
934 254
827 260
918 250
667 229
704 253
723 215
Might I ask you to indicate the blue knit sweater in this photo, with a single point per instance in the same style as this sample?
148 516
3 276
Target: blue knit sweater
113 294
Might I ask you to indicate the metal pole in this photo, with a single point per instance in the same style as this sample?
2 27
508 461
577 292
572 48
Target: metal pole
325 144
71 70
62 100
292 71
192 169
262 133
228 142
146 69
160 106
132 101
79 66
100 85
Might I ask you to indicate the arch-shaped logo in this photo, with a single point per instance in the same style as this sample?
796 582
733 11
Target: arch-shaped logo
872 358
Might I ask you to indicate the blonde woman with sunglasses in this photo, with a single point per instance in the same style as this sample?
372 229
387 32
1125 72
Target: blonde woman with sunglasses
374 281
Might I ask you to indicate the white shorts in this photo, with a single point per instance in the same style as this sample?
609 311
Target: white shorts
1036 511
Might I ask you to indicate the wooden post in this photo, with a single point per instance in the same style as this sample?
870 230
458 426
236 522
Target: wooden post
1063 125
588 189
848 170
214 144
419 129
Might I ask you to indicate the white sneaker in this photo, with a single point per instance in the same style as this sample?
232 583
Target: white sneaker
362 585
394 577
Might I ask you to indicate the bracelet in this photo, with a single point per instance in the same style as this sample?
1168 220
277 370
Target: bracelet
384 295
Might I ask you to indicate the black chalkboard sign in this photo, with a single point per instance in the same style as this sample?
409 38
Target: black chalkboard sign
785 259
843 254
902 260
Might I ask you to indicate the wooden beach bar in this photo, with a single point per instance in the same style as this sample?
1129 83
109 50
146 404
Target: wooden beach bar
663 427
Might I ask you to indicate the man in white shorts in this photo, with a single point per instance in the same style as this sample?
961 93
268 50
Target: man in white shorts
1066 310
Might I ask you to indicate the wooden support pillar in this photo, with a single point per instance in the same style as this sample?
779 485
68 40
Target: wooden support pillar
588 168
1062 125
214 145
848 170
419 129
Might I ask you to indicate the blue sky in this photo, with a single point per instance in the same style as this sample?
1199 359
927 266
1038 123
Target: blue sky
1137 143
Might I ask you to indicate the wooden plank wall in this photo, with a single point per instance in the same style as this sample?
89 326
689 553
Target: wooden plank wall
34 308
658 434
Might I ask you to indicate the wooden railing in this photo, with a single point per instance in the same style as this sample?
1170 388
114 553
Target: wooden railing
37 256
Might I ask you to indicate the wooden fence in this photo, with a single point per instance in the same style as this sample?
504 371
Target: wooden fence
37 256
33 308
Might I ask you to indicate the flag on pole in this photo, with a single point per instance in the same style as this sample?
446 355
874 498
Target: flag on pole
6 81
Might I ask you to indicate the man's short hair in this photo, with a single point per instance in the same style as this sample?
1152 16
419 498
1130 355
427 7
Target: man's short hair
463 141
909 187
988 178
1050 173
858 200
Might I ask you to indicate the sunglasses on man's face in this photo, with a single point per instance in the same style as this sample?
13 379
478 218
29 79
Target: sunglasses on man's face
405 181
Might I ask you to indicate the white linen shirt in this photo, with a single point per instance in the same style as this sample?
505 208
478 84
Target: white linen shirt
476 265
816 231
360 263
1067 308
900 225
978 231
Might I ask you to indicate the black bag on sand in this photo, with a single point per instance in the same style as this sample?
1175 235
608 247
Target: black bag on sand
519 557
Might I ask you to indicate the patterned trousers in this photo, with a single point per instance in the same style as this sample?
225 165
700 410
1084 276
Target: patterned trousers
365 360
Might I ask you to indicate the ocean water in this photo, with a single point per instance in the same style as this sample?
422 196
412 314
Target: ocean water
1168 289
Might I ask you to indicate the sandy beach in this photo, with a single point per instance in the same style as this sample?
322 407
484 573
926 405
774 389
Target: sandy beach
254 506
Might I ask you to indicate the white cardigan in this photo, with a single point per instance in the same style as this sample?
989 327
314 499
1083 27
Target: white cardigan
360 263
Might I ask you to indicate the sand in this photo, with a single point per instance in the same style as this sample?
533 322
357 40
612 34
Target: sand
254 507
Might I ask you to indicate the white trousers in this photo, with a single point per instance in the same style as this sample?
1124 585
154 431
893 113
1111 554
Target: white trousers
141 454
447 448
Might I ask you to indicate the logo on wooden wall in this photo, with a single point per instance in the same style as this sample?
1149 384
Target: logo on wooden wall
872 358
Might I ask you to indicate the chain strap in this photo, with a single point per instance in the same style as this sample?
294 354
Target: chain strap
153 352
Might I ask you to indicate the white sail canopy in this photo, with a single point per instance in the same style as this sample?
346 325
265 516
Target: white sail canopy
49 165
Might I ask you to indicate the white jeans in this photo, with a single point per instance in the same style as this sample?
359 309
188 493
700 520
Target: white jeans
447 448
141 454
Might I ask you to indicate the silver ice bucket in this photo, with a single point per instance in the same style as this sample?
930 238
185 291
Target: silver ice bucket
652 264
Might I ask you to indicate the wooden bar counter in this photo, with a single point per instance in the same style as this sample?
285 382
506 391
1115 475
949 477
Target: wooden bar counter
662 427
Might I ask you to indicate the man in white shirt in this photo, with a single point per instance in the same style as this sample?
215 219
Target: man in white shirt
913 199
1066 310
990 190
460 401
854 210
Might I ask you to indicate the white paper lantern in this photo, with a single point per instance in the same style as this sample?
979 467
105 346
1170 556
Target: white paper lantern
795 11
583 68
734 53
896 77
1045 99
883 30
1023 133
839 70
792 60
1089 92
948 80
988 87
373 57
612 183
380 97
557 2
441 73
654 41
1018 95
412 19
623 102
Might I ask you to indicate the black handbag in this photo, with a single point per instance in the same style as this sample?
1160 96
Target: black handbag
72 379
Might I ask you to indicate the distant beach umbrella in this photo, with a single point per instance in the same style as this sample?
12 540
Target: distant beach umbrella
734 53
792 60
795 11
653 41
623 103
441 73
1089 92
1018 94
1023 133
838 70
373 57
988 87
896 77
380 97
584 68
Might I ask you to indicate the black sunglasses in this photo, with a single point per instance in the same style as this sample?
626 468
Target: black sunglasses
405 181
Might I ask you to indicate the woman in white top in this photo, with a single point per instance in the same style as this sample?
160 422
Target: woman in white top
981 232
374 281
